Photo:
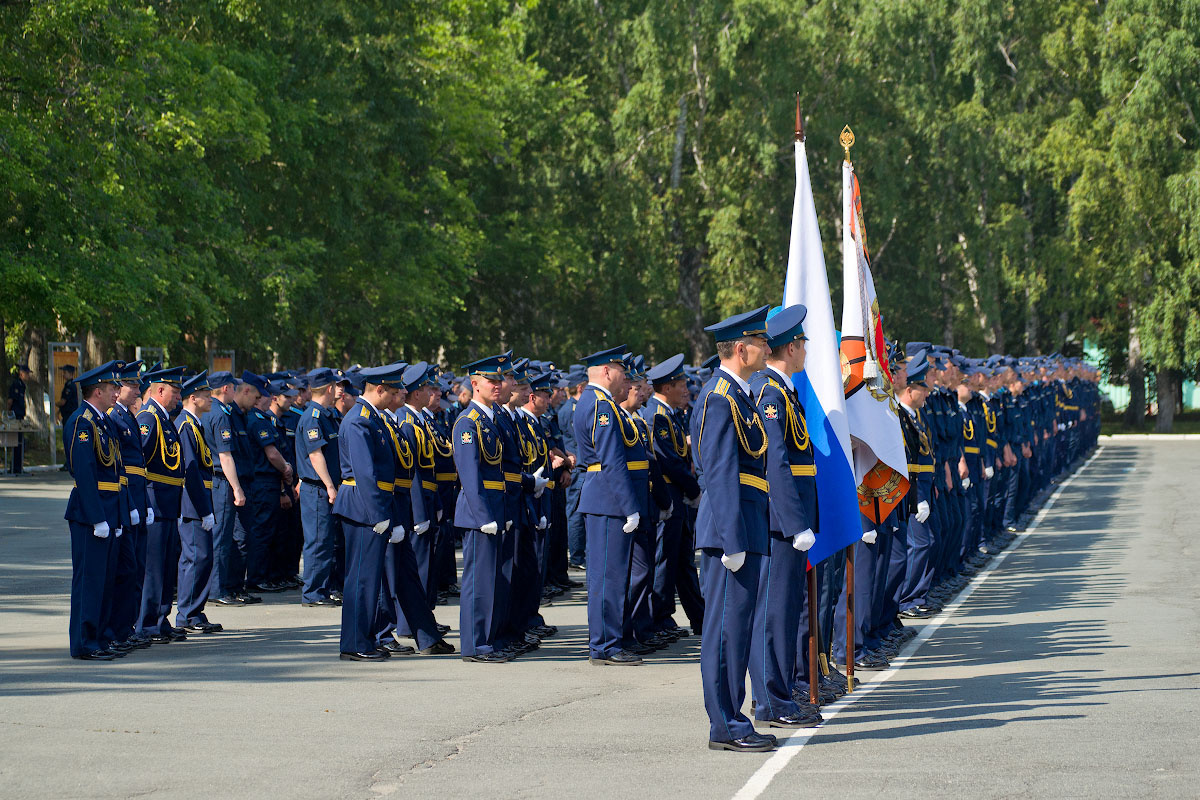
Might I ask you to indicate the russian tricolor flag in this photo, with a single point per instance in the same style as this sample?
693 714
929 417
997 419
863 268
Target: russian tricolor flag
820 385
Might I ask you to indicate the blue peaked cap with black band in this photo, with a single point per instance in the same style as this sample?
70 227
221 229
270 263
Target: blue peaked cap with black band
916 369
492 367
257 381
171 375
786 325
666 371
196 383
418 375
105 373
750 323
219 380
613 355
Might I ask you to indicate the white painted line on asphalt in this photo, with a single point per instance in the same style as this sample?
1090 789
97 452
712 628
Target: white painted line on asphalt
1150 437
790 745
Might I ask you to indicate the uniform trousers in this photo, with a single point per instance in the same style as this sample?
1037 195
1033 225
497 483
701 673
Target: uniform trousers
478 622
729 602
93 566
321 528
639 621
773 651
609 553
666 566
365 551
158 587
230 524
195 570
127 584
404 608
258 540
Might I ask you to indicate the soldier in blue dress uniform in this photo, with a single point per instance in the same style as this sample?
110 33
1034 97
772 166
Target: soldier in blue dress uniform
777 663
612 499
918 577
319 470
131 559
730 446
272 473
164 493
97 512
195 529
480 511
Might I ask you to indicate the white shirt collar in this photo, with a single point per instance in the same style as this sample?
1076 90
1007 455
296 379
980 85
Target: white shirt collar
600 388
787 379
491 415
156 405
911 412
370 405
410 407
745 387
527 413
115 403
193 416
93 408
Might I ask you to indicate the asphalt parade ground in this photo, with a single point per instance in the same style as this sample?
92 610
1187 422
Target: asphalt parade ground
1068 668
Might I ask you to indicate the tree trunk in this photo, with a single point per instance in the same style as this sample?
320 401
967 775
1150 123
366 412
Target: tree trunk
947 305
322 348
1135 414
977 301
1167 398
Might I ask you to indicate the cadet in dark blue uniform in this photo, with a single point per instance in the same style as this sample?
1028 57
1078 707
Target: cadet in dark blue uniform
195 530
286 544
271 474
319 470
419 382
780 622
480 511
576 535
97 511
918 576
164 495
131 558
16 407
730 441
613 501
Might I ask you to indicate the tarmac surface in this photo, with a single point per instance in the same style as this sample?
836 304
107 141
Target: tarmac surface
1067 670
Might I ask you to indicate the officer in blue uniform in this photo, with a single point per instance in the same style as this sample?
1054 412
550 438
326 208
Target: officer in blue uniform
612 499
16 407
730 441
480 511
164 494
233 472
272 474
97 512
673 554
365 506
131 559
420 381
195 529
918 576
287 541
576 536
777 669
538 459
319 469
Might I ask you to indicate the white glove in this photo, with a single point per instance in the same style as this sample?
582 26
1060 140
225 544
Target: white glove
149 515
734 562
100 530
632 521
988 472
134 517
539 483
870 536
922 511
207 522
118 532
542 524
507 525
966 483
490 528
381 527
439 515
804 540
397 535
421 527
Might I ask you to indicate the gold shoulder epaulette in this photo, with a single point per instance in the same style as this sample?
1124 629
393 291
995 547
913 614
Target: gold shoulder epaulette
722 387
473 414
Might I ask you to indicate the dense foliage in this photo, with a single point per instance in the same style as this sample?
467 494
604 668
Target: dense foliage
352 180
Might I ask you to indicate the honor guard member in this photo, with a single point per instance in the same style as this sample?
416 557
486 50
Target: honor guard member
164 494
576 538
319 470
364 504
918 577
195 529
97 512
675 550
233 471
536 460
420 382
780 621
131 560
612 500
285 556
730 441
271 475
480 511
405 610
445 564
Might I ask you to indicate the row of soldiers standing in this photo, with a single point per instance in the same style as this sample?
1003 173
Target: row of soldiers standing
213 477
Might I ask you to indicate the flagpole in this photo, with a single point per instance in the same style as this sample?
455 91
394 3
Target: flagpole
847 141
811 573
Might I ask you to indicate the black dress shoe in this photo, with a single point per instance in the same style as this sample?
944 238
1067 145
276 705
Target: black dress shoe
119 647
443 629
322 602
916 613
161 638
335 596
487 658
205 627
229 600
871 661
641 649
577 567
621 658
374 655
97 655
438 648
801 720
264 587
249 599
570 584
398 649
746 744
178 635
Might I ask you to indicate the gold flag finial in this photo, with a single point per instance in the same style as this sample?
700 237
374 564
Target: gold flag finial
847 140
